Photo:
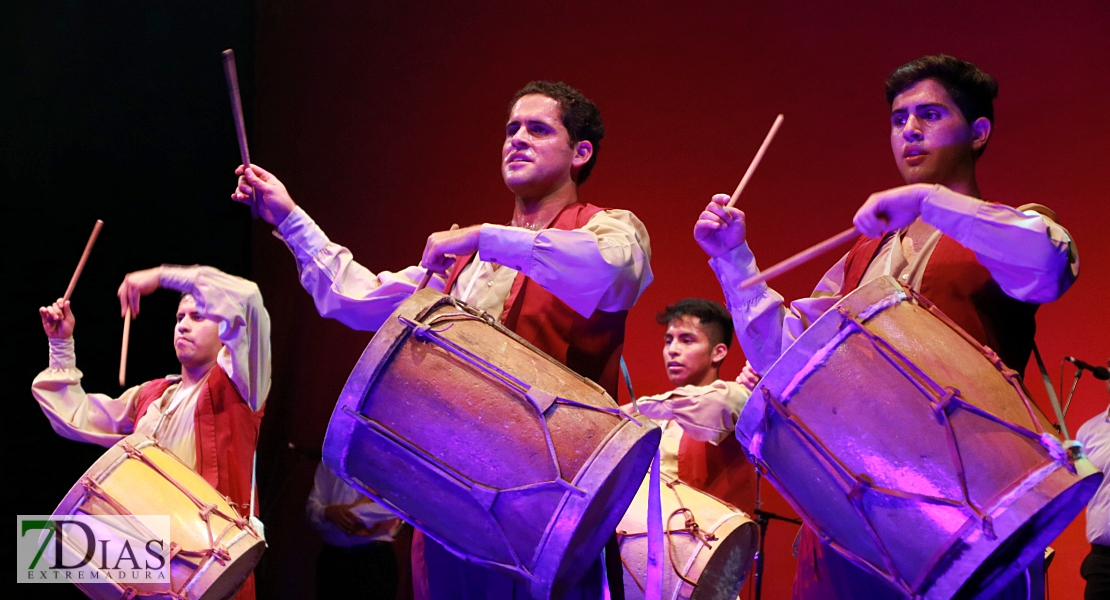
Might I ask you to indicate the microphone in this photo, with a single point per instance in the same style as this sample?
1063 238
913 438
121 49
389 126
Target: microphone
1099 372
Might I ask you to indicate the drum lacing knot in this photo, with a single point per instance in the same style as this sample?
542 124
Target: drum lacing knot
1062 455
221 554
940 408
863 483
988 527
130 450
993 357
207 511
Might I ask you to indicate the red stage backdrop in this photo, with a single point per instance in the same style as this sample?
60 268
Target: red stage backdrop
385 120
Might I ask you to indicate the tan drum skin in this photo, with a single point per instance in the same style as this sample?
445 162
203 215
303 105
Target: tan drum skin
715 554
123 478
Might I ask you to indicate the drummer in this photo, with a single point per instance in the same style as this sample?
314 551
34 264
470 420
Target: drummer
562 274
222 340
986 266
698 417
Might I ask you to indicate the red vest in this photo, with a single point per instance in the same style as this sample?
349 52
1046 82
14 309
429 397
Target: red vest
590 346
965 292
722 471
226 431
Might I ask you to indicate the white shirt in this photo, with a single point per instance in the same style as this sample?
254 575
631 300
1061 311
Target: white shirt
603 266
1095 437
329 489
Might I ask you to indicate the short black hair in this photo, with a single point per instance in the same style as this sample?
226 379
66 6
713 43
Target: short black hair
713 318
581 117
972 89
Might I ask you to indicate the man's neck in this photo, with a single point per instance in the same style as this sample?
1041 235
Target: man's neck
538 212
191 376
710 376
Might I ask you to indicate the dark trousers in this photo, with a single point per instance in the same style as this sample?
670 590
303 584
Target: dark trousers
365 571
1096 570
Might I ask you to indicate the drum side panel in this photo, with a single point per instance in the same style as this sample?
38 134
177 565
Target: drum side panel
520 513
809 485
1012 457
946 357
422 493
576 433
463 417
933 527
883 428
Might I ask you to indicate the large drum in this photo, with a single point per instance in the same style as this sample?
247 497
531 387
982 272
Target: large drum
910 449
501 454
709 544
213 549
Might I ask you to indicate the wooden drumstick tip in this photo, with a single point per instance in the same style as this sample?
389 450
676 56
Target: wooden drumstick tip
123 347
84 258
424 281
758 157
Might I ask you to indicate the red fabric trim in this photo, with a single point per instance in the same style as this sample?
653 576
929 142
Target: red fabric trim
965 292
722 470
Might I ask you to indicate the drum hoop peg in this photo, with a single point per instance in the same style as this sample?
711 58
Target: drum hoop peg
940 407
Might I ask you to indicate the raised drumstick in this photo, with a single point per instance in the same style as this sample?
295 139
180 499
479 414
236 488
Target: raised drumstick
755 161
237 112
84 257
123 348
805 255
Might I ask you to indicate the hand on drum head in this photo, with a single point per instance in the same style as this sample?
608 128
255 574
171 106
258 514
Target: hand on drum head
136 285
442 247
891 210
266 192
57 320
720 227
748 377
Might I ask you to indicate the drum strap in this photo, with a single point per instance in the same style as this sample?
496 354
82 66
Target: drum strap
653 589
255 521
1051 393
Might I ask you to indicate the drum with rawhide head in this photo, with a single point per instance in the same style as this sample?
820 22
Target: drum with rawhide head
911 449
212 548
501 454
709 544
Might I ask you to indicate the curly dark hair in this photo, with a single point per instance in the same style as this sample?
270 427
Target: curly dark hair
581 117
713 318
971 88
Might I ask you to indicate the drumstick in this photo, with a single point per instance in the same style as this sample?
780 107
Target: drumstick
428 274
237 112
755 161
84 257
123 348
805 255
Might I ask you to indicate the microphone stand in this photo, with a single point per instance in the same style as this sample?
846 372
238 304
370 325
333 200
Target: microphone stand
1074 382
763 518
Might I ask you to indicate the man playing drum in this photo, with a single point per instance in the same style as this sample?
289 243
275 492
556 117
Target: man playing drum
562 275
985 265
208 415
699 445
